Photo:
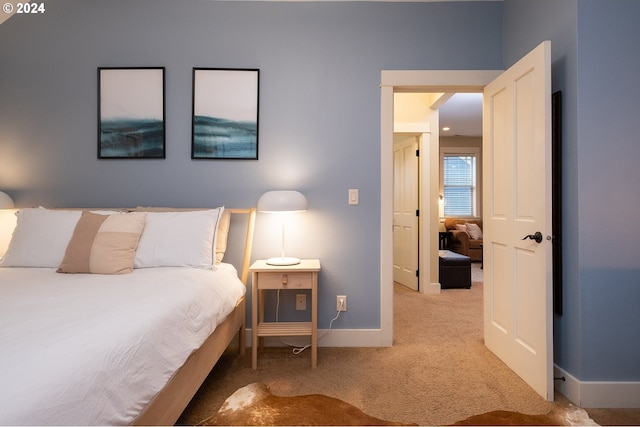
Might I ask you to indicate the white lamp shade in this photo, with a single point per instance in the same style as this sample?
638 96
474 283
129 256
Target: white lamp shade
6 202
282 201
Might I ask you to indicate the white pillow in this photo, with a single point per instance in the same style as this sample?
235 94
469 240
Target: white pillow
178 239
40 238
474 231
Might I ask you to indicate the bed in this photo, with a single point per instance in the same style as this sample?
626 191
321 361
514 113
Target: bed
103 346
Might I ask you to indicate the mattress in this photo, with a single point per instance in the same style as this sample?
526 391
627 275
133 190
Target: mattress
82 349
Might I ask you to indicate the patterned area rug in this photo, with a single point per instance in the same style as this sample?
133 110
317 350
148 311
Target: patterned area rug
254 405
559 416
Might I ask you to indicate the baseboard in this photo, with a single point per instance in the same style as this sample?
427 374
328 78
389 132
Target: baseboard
433 289
331 338
598 394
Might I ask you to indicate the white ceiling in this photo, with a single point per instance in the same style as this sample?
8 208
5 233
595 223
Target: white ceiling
462 113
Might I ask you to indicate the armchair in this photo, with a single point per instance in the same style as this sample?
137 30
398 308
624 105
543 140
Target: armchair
461 241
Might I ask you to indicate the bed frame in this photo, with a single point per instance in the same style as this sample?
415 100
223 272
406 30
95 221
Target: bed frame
168 405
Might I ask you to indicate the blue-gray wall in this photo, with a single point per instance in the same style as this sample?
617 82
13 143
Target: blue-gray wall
319 124
526 24
596 63
319 129
609 149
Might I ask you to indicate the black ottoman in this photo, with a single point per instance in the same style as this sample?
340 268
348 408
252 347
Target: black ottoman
455 270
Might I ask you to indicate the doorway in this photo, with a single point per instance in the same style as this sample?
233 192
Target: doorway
406 82
453 122
517 146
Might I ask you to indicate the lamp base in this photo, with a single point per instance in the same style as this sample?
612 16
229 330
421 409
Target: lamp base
283 260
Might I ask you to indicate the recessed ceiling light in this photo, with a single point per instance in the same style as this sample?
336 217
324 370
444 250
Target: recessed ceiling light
446 128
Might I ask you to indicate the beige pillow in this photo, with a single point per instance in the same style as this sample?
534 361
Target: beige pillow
103 244
462 227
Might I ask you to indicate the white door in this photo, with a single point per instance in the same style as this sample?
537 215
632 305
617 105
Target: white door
517 203
405 206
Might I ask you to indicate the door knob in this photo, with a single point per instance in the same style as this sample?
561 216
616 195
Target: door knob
537 237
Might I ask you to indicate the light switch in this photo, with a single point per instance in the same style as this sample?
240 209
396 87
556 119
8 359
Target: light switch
353 196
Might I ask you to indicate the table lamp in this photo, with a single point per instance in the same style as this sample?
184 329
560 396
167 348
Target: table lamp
282 202
6 202
7 222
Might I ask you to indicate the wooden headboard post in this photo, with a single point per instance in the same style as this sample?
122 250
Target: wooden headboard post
246 259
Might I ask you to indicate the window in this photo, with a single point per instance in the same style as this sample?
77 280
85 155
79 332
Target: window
459 183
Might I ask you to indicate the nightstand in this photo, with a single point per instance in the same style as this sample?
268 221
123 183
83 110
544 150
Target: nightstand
299 276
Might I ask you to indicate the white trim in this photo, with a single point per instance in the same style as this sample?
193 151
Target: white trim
386 215
598 394
413 128
350 338
438 80
433 289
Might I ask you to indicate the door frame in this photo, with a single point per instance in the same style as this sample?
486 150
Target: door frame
414 81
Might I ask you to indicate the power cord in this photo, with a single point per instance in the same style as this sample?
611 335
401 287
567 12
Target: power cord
278 306
297 349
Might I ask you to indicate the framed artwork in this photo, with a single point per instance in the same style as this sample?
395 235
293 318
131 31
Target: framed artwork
131 113
556 195
225 113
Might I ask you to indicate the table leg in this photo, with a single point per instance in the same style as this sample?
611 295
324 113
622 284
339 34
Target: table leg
254 321
314 321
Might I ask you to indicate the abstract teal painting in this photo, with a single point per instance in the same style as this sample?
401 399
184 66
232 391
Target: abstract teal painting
225 113
131 113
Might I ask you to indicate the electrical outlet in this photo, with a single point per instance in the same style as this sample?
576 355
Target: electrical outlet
301 302
341 303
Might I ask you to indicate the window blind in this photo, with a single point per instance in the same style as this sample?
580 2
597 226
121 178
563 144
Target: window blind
459 185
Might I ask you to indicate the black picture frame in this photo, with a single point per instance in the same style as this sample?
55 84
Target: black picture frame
225 113
131 113
556 196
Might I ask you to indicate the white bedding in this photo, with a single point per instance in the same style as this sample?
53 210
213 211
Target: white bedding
93 349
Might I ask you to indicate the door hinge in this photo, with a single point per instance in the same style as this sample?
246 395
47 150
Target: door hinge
417 153
417 212
417 273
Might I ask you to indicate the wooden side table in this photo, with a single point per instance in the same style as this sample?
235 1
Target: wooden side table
299 276
444 239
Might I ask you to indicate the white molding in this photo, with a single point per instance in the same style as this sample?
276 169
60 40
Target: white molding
433 289
410 127
437 80
598 394
386 214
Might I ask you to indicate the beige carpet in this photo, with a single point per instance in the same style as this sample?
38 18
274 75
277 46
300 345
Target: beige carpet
438 371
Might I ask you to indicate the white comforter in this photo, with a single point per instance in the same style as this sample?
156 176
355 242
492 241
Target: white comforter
91 349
